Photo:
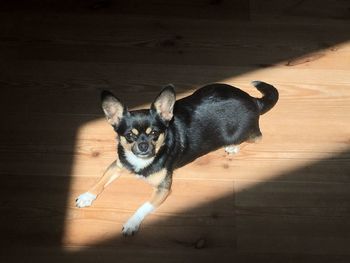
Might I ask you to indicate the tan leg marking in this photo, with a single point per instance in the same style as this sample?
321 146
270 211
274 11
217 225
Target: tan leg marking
161 181
162 187
156 178
125 144
158 196
112 172
159 143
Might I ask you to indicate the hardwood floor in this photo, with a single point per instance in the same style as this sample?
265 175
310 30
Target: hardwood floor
286 199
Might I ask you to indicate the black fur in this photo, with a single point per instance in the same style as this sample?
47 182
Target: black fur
214 116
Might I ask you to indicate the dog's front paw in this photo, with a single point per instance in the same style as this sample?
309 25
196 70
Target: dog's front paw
134 222
131 227
85 199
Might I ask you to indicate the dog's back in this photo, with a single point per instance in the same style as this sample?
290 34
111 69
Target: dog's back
218 115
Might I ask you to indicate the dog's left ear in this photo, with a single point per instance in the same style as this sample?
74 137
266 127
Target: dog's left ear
164 103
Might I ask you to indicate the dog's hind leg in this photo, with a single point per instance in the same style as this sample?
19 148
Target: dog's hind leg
235 148
256 138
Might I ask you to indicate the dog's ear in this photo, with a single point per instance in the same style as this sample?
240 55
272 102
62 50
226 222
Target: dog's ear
164 103
112 107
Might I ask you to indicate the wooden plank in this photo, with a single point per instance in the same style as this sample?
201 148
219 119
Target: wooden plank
132 79
167 41
184 218
94 144
292 194
283 200
32 210
232 10
184 254
301 9
293 217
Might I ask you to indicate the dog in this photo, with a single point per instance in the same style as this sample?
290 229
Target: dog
153 142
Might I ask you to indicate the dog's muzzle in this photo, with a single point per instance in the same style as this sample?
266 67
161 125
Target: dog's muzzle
143 149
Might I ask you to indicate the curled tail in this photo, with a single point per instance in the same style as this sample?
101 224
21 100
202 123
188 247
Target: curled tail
270 97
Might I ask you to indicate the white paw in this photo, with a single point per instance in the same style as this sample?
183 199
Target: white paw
131 226
85 199
232 149
134 222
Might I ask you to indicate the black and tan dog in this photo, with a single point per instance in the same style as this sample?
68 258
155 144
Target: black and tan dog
153 142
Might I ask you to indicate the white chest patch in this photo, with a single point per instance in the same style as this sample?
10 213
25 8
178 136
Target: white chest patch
136 162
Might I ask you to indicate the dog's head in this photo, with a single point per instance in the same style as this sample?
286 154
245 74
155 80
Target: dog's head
140 132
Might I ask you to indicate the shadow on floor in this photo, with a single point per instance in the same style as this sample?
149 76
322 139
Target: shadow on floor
46 98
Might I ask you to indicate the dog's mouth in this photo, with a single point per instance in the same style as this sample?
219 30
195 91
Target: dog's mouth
144 155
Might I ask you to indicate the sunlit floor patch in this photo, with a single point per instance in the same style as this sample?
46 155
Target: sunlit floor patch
296 135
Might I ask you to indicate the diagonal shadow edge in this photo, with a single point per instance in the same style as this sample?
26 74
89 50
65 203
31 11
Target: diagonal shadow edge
77 253
297 176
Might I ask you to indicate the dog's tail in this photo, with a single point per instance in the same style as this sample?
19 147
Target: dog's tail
270 97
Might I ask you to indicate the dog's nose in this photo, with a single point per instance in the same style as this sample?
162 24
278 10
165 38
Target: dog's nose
143 146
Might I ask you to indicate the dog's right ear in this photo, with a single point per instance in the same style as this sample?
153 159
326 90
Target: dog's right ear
113 108
163 105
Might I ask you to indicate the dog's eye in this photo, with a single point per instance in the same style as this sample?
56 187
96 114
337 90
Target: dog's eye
154 133
130 136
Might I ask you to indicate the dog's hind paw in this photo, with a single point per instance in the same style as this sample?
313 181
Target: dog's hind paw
232 149
85 199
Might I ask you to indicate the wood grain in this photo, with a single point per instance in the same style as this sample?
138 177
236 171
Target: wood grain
285 199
